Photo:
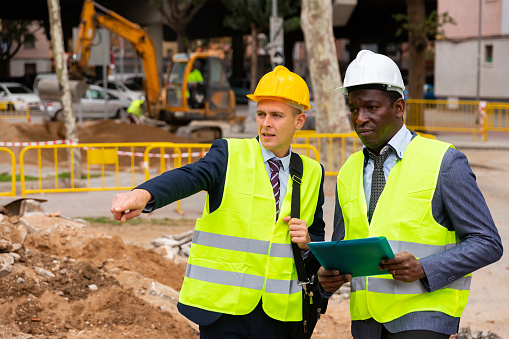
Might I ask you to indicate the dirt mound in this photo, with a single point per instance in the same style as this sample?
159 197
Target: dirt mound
91 131
62 279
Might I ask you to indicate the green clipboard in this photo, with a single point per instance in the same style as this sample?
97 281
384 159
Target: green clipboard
359 257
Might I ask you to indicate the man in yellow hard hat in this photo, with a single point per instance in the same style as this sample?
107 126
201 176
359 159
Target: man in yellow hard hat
241 280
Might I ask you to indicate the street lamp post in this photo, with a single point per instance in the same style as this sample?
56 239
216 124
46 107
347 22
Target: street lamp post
478 94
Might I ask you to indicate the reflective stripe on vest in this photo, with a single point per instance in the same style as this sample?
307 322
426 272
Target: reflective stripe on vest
229 242
240 252
391 286
409 227
419 250
242 280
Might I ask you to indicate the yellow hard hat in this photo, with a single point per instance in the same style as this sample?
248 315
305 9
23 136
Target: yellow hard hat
282 84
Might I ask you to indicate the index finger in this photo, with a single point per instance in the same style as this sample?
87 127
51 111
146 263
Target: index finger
325 272
398 258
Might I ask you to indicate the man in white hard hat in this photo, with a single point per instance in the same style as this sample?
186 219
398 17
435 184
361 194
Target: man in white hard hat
240 280
422 196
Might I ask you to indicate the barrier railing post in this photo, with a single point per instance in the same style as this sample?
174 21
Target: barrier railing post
12 192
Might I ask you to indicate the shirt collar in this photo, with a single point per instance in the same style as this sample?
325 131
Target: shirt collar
269 155
399 142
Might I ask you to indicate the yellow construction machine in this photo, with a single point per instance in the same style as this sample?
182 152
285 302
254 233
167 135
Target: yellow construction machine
188 97
184 97
139 38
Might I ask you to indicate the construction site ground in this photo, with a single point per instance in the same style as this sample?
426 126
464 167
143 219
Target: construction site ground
106 280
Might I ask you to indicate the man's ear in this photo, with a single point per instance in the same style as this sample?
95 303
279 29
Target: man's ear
400 106
300 119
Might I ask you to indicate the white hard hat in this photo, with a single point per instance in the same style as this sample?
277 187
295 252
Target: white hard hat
370 68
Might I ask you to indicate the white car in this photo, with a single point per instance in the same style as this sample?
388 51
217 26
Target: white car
125 91
95 103
20 96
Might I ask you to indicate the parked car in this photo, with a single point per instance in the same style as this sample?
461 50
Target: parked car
21 97
122 90
241 88
96 103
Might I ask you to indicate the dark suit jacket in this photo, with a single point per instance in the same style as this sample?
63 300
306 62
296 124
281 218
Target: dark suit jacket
209 174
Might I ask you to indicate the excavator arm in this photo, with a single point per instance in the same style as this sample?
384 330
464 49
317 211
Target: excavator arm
141 41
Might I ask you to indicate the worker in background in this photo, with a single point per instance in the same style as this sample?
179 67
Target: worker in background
240 280
135 112
419 193
196 88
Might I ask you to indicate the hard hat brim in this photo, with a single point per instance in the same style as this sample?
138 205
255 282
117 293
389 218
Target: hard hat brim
257 98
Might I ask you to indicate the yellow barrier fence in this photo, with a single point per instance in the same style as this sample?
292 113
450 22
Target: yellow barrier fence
8 111
104 166
336 146
456 116
497 117
12 191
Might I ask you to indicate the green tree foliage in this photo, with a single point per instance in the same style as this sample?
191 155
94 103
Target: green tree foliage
433 25
15 34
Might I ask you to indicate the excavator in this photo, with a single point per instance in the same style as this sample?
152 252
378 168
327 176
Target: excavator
139 38
208 101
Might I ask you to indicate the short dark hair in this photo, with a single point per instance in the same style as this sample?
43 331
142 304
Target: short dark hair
393 96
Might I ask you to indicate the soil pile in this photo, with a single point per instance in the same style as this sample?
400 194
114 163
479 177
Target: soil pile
91 131
62 279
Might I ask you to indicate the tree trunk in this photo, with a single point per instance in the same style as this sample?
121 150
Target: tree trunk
4 69
181 41
254 56
331 111
239 50
57 39
418 42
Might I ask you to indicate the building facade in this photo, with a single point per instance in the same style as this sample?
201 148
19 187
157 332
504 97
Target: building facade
458 72
32 58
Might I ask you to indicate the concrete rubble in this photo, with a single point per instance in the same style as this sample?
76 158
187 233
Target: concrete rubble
466 333
174 245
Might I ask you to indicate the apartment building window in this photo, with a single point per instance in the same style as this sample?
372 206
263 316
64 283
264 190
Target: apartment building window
30 68
29 45
488 54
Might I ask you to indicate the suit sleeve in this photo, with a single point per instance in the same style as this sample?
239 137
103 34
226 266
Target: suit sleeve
459 204
338 232
207 174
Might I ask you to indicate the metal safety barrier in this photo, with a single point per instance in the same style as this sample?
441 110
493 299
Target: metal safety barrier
457 116
497 117
104 166
8 111
12 191
337 147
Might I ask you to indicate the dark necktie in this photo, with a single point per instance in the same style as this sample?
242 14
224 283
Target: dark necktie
378 178
274 165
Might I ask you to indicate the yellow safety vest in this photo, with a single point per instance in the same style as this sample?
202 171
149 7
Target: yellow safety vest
240 252
404 215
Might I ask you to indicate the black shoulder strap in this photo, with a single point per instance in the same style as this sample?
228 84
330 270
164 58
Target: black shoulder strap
296 171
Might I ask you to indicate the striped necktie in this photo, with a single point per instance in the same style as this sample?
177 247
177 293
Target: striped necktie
274 165
378 178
